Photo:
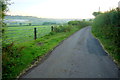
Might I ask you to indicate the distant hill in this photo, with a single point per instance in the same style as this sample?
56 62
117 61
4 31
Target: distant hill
16 20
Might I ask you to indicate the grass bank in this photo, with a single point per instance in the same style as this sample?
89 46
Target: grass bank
106 27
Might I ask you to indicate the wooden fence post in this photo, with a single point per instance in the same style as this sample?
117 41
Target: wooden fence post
35 33
52 28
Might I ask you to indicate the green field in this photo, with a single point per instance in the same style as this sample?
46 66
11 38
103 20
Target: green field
24 33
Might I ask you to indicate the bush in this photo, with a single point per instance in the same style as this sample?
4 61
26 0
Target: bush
11 57
106 27
65 28
80 24
72 25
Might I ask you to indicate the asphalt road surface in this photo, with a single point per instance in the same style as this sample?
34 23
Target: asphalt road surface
79 56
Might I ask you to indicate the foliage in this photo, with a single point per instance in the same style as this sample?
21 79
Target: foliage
96 13
62 28
73 22
3 8
80 23
107 28
71 25
48 23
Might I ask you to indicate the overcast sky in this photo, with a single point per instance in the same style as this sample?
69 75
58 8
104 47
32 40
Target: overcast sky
60 8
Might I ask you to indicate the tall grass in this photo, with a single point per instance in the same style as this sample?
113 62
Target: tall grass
106 27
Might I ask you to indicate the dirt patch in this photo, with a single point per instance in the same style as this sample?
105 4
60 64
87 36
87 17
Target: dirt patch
39 44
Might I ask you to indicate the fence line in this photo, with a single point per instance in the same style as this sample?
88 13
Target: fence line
24 29
21 35
19 29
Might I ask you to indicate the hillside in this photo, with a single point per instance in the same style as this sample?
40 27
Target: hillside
16 20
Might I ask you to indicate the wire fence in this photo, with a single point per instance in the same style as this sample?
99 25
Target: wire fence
26 34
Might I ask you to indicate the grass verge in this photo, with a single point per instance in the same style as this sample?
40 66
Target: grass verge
109 48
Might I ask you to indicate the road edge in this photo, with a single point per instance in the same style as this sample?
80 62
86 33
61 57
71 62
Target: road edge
103 47
108 54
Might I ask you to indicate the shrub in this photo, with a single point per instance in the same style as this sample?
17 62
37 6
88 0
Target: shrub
80 24
65 28
106 26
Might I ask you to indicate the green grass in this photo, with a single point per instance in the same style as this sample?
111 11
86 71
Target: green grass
109 45
24 33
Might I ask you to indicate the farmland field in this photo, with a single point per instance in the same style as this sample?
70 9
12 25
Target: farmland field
24 33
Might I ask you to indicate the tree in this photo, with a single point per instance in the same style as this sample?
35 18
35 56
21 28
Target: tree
96 13
48 23
83 19
20 24
74 22
3 10
3 7
30 24
90 20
